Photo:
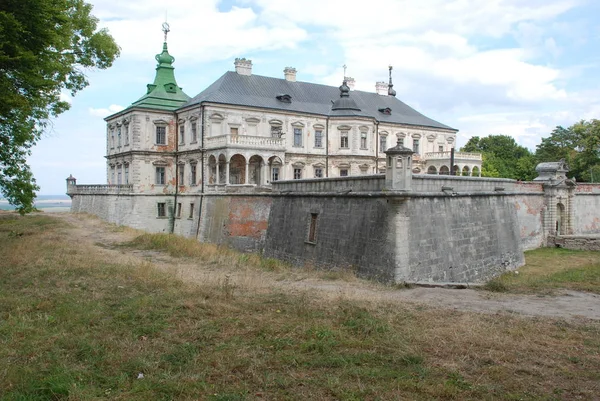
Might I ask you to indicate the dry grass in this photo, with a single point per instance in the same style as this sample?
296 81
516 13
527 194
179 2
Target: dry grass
76 324
549 269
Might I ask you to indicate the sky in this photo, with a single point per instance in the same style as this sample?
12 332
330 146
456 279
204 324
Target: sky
513 67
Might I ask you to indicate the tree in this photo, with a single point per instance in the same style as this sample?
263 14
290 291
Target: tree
579 145
45 47
503 157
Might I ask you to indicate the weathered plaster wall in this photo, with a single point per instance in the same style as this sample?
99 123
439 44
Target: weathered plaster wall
238 221
586 209
529 209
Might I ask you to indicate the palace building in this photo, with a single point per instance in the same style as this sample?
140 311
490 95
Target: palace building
248 130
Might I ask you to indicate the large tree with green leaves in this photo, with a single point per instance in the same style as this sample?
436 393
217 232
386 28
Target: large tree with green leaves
45 48
579 145
503 157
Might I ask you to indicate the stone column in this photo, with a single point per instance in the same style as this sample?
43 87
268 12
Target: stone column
226 173
247 172
218 173
261 173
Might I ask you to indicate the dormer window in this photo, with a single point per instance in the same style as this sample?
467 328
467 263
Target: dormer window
285 98
171 88
386 111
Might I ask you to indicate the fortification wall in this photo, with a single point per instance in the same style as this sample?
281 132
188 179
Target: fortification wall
586 209
136 211
350 232
395 238
461 239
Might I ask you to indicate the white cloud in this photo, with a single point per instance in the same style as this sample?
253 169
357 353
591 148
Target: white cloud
199 31
113 108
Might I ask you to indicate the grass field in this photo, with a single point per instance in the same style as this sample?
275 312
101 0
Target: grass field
549 269
76 324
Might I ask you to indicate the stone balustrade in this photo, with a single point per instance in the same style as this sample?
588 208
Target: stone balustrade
99 189
250 141
457 156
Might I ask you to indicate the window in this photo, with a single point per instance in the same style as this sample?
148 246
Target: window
182 134
401 141
193 174
275 174
160 176
318 172
441 148
161 135
112 175
119 175
178 211
191 215
416 145
127 174
343 172
194 132
318 139
382 143
112 138
297 173
344 139
297 136
181 174
363 140
312 229
233 131
276 131
118 137
126 126
161 209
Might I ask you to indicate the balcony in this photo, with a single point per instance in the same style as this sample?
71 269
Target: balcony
245 142
457 156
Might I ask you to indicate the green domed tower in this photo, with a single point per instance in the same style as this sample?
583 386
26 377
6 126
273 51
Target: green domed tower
163 93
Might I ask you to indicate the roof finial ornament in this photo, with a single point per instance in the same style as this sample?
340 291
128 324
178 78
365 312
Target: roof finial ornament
391 90
166 29
344 70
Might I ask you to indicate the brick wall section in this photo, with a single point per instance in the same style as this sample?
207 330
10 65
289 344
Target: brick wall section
238 221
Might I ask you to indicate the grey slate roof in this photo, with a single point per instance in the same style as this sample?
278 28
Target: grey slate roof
259 91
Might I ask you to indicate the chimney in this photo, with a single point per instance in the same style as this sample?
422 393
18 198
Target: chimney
381 88
243 66
350 82
290 74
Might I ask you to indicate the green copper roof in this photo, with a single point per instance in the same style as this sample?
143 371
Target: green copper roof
164 93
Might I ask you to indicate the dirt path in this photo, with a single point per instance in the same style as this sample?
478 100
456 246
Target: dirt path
567 304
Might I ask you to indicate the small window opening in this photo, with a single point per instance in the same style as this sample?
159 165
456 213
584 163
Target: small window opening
312 229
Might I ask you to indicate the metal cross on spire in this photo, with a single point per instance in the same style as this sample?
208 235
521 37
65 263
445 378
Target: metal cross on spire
166 29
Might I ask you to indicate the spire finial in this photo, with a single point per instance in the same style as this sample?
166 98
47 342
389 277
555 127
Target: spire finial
391 91
166 29
344 70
